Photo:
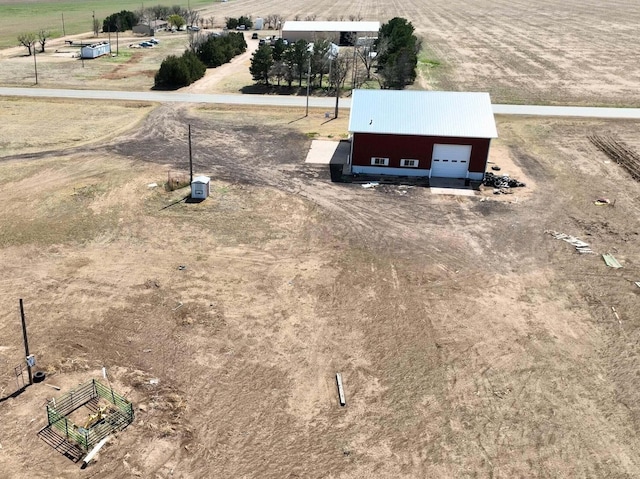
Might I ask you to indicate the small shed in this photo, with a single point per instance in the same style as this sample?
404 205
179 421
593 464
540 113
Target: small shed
421 133
95 50
200 187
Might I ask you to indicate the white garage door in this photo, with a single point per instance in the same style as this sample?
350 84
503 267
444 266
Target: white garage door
450 161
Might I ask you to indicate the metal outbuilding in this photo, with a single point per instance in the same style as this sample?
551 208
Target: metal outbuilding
95 50
200 187
421 133
340 33
149 29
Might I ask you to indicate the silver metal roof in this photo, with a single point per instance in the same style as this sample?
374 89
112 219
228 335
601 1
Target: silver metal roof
426 113
326 26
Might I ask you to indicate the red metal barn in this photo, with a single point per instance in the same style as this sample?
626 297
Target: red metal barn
421 133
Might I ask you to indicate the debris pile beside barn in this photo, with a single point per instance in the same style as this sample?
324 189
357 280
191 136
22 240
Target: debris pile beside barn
501 183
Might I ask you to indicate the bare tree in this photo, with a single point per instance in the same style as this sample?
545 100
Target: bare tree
96 27
191 17
279 70
278 20
296 17
320 58
340 68
310 18
211 19
268 21
355 18
27 40
144 15
196 39
366 54
43 36
159 11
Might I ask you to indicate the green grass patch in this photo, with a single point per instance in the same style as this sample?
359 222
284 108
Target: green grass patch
78 16
370 85
122 57
429 63
431 69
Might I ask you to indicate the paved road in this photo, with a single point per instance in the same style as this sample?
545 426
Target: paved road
277 100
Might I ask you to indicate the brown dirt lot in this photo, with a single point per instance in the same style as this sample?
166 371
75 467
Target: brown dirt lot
471 343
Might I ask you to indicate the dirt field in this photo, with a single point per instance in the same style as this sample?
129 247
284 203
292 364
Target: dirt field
581 52
471 343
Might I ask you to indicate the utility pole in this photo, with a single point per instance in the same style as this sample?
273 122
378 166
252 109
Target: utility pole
355 73
306 113
35 63
26 342
190 158
64 34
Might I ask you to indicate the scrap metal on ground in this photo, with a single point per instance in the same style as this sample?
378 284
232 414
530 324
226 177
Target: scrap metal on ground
501 183
581 246
611 261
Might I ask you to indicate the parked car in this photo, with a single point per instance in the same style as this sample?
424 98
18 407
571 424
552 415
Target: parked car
241 27
193 28
155 41
254 36
146 44
262 42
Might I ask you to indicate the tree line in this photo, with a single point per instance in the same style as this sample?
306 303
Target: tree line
205 51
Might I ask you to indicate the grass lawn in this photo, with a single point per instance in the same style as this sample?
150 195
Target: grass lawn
78 15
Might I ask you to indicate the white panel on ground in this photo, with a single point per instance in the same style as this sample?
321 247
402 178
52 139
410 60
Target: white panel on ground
343 401
450 161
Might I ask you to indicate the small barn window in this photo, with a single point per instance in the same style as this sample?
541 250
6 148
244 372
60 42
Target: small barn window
409 163
376 161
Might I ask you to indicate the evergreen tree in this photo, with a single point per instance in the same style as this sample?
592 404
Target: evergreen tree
261 63
397 57
119 22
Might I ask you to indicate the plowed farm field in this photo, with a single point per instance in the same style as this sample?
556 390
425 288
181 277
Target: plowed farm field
547 51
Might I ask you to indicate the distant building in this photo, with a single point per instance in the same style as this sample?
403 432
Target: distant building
340 33
151 28
421 133
95 50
